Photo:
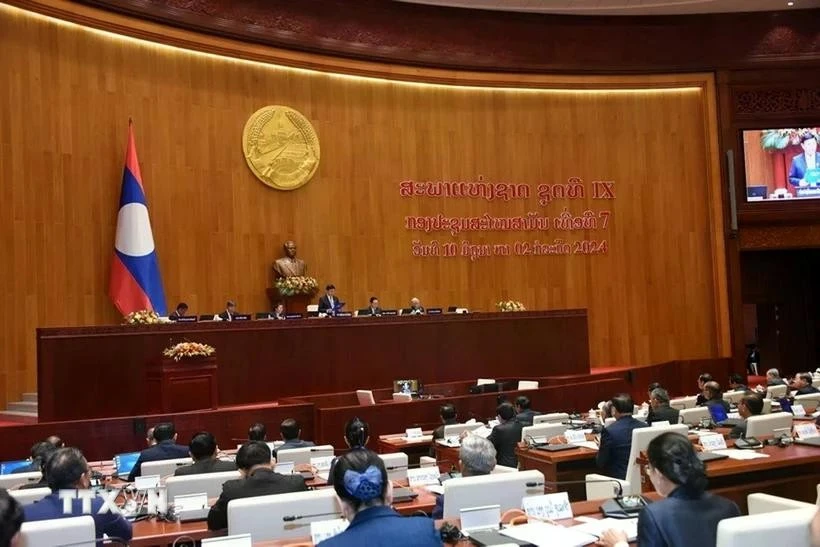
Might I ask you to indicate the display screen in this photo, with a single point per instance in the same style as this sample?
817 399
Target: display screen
782 164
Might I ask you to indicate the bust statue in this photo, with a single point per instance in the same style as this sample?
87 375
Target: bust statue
289 265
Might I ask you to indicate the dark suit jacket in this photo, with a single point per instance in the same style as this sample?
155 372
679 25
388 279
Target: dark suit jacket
682 520
261 482
778 382
383 527
808 390
51 507
324 303
616 442
166 450
663 413
364 312
738 431
293 443
210 465
798 169
225 316
505 437
525 418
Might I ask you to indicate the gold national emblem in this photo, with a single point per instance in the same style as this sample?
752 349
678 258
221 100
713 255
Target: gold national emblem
281 147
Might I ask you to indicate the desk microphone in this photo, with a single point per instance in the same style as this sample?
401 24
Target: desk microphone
622 507
291 518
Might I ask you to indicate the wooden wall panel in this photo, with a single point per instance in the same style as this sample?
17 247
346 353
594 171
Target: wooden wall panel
658 295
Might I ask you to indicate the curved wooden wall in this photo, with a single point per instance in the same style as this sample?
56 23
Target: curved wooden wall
658 294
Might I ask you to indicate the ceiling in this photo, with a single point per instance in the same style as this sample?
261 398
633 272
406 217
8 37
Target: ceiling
624 7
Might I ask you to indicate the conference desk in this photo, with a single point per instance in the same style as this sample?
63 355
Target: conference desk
267 360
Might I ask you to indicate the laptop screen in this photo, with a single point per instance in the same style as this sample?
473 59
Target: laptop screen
125 462
10 467
785 404
718 413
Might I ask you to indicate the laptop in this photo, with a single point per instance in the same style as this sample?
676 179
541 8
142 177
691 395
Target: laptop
408 386
7 468
555 447
124 463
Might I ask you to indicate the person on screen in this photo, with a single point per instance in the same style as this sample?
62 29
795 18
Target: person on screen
180 311
750 405
415 307
365 495
805 170
373 310
230 311
687 514
329 303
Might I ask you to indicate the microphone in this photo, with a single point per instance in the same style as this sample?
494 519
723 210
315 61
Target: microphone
291 518
621 507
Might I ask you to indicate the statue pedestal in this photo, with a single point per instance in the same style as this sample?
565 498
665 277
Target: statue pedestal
293 304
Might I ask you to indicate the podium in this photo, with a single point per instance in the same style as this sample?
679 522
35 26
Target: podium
180 386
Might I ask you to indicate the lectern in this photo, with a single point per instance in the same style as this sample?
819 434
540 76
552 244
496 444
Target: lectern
180 386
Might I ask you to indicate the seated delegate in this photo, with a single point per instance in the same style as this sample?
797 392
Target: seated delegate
203 450
166 449
258 479
291 433
506 435
365 494
476 457
687 515
616 438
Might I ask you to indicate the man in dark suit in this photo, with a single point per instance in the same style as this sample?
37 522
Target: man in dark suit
67 469
328 303
805 167
230 311
773 378
736 382
259 479
291 432
750 405
659 409
203 450
524 414
803 384
182 309
373 310
257 432
447 412
714 396
506 435
616 438
166 449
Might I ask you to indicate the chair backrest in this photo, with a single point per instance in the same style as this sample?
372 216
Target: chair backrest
312 308
75 531
18 479
396 465
733 397
484 381
766 503
767 406
693 416
264 516
455 430
164 468
505 489
301 456
790 527
527 384
641 438
757 426
812 400
30 495
210 483
402 397
551 418
684 402
365 397
542 431
504 469
608 421
776 392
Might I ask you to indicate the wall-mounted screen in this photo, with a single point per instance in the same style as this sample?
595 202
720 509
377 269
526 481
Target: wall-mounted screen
781 164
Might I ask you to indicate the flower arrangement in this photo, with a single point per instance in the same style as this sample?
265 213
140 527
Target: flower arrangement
188 350
773 140
142 317
510 305
297 284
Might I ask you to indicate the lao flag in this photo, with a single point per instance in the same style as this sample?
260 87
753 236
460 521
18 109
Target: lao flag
135 280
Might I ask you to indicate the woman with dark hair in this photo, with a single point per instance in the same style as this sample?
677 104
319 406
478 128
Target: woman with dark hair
688 515
357 433
11 519
365 495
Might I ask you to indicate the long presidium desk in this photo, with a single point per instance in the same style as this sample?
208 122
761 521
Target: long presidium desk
266 360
